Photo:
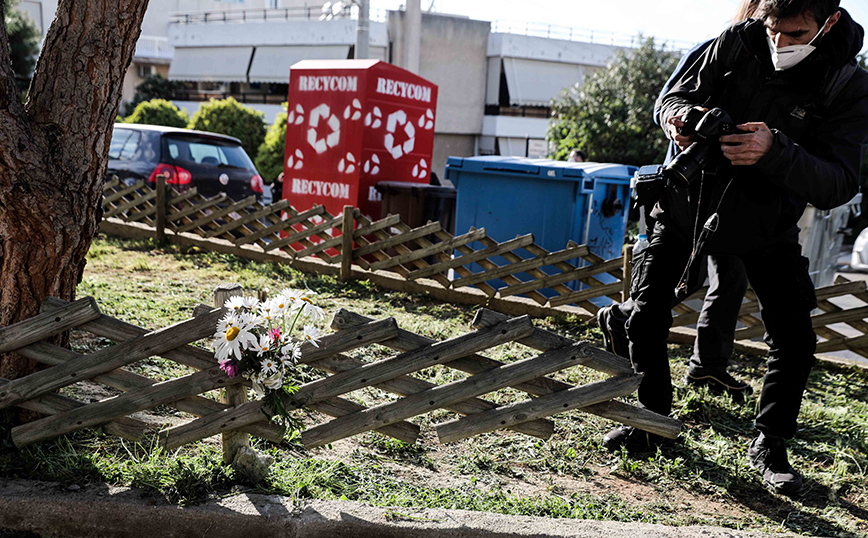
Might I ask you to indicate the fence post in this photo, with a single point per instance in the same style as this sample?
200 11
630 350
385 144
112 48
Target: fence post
161 209
347 243
628 272
235 440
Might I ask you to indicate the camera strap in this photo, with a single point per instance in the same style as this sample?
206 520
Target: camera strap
690 278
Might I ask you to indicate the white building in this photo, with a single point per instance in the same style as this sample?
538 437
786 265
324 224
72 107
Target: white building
496 80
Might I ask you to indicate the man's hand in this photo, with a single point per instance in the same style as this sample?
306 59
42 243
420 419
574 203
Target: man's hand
674 125
747 148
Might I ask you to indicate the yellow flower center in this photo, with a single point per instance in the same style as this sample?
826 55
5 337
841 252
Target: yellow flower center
232 333
306 299
281 305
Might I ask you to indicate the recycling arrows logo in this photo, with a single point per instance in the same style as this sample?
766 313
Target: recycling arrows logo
394 120
332 139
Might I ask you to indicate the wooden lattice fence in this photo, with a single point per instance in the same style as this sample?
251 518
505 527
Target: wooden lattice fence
397 374
516 276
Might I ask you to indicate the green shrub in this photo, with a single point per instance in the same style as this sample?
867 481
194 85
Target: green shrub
229 117
153 87
159 112
269 158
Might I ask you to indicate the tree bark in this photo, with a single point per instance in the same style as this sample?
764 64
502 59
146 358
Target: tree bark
54 153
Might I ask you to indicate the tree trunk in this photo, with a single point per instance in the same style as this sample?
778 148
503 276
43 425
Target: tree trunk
54 153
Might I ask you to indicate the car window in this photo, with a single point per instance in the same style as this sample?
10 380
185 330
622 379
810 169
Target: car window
131 146
208 152
119 140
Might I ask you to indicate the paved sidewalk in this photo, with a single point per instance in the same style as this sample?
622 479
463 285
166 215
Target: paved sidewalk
106 512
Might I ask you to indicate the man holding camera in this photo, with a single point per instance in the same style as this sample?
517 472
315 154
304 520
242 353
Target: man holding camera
798 129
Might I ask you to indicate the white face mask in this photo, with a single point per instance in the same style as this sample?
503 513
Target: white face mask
787 57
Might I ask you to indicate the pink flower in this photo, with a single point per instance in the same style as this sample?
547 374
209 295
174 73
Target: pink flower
275 335
230 367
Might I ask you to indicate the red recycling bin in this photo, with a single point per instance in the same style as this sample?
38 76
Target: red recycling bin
351 124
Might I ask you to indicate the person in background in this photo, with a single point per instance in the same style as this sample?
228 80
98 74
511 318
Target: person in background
577 156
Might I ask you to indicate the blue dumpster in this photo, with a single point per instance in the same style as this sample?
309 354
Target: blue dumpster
556 201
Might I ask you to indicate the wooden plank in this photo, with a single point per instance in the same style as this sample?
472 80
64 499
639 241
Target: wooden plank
598 359
407 385
334 222
443 395
46 325
435 248
599 291
637 417
52 404
472 363
820 320
551 280
281 225
201 206
463 271
220 213
130 189
387 222
160 206
120 331
421 231
338 407
511 257
564 267
111 183
113 408
105 360
118 209
346 240
247 219
404 249
524 265
411 361
558 402
252 412
126 381
477 256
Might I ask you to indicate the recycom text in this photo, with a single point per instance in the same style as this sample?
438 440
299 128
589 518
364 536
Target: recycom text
330 84
406 90
321 188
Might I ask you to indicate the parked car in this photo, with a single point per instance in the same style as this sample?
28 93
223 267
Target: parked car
212 163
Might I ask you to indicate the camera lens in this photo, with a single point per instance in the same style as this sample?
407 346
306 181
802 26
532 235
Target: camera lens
687 166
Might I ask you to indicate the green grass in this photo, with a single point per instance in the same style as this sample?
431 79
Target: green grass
702 478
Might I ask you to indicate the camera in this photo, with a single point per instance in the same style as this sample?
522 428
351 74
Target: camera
706 128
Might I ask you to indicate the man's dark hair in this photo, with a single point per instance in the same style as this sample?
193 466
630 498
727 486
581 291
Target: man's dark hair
783 9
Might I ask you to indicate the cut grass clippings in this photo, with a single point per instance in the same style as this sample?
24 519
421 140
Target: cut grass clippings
700 479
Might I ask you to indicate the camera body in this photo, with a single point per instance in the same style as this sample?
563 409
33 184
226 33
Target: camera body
707 128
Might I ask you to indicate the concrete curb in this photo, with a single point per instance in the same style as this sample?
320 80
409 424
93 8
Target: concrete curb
102 511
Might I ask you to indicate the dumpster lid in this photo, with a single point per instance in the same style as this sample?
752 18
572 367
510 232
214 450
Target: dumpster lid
545 168
405 186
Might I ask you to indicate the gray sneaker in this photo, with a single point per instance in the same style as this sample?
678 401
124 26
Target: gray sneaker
768 455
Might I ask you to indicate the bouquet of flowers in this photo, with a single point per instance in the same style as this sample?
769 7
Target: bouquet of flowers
255 340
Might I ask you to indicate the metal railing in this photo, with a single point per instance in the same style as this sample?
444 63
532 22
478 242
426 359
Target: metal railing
269 15
568 33
151 46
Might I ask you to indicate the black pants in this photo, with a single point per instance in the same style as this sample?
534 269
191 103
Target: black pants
779 276
715 329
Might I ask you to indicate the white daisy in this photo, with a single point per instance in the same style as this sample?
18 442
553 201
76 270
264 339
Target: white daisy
312 335
264 346
234 337
240 304
269 366
267 313
294 297
313 311
290 353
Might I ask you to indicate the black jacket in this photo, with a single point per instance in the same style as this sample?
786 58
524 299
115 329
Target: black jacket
817 151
